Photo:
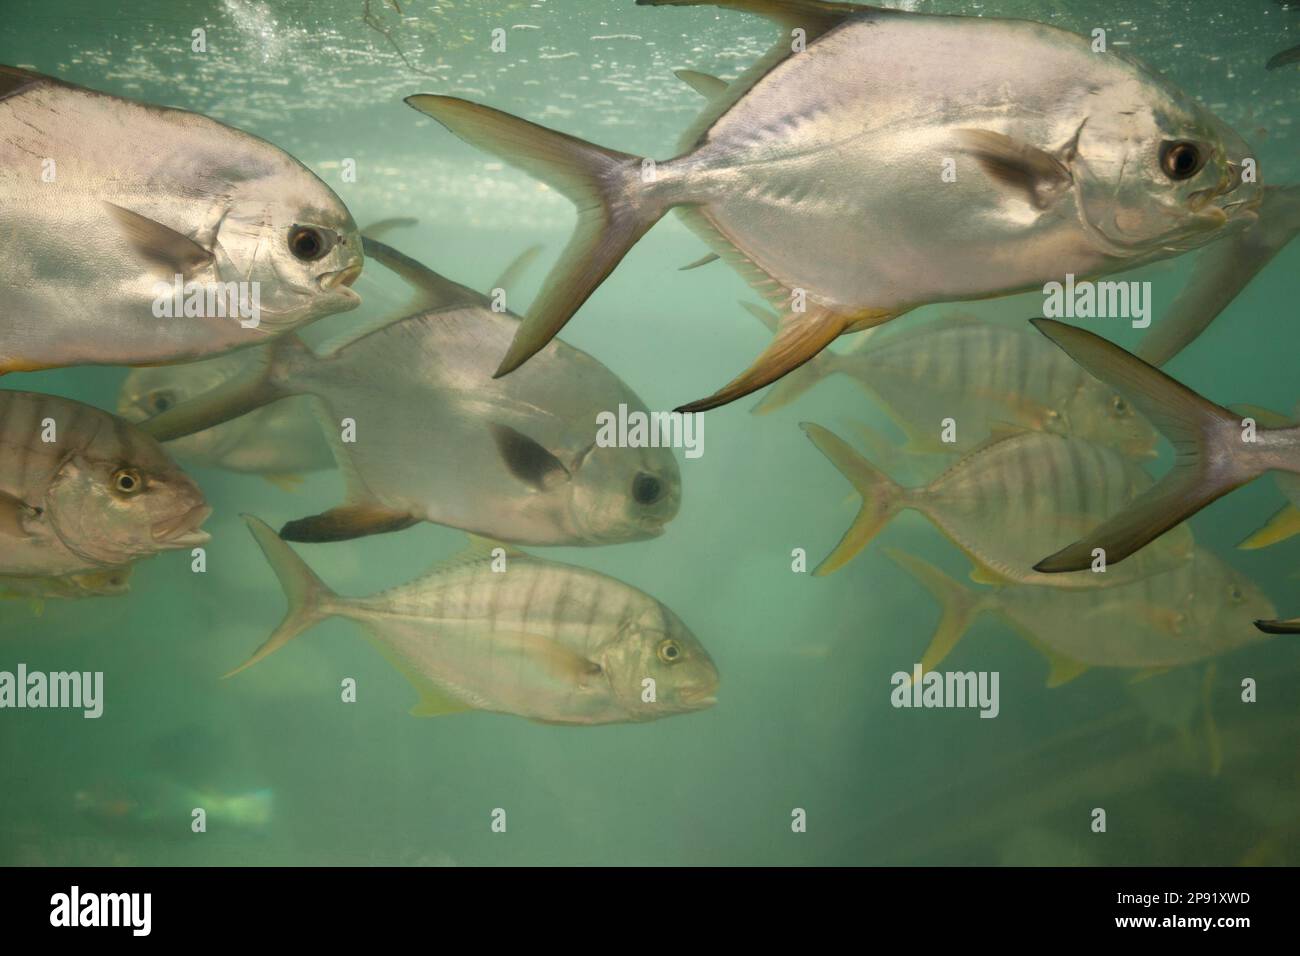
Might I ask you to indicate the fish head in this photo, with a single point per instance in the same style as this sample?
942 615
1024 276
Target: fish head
123 498
147 392
654 643
1157 174
1224 603
299 245
1100 414
624 494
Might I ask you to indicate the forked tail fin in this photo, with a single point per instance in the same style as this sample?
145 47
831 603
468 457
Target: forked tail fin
613 210
1210 461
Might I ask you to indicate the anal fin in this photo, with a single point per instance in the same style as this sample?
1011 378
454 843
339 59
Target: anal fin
799 338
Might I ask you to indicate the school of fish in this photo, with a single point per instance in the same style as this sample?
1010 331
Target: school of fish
881 162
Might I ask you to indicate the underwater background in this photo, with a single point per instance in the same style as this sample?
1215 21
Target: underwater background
803 718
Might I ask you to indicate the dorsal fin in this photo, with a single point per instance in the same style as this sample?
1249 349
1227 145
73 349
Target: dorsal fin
476 549
814 17
433 291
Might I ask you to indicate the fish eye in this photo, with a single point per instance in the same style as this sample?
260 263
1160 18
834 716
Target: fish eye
1235 594
127 481
646 489
307 243
1120 406
670 652
162 400
1181 160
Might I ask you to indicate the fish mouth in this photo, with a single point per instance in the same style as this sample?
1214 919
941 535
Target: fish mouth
701 696
699 700
342 279
184 530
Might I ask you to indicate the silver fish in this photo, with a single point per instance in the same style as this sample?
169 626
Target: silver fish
534 638
1002 501
981 375
1189 614
1216 451
819 174
439 439
83 490
105 202
279 442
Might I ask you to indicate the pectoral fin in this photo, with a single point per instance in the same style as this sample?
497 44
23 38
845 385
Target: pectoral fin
704 84
347 522
1017 165
701 261
526 459
159 245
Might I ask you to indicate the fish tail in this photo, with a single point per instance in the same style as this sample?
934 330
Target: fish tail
960 605
263 382
310 600
882 497
1210 461
614 208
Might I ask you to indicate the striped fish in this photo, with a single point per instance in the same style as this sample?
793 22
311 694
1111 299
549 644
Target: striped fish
1004 501
981 375
1194 612
83 490
499 630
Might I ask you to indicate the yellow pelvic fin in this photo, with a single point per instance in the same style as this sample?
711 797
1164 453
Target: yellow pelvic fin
1284 523
983 574
285 482
1061 669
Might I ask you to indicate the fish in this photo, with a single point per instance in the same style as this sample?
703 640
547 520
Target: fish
1283 58
83 491
511 633
278 441
438 439
819 174
110 582
1217 451
1000 502
157 803
1222 270
1184 616
980 374
108 204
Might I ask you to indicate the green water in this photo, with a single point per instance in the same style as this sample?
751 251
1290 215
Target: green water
804 719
